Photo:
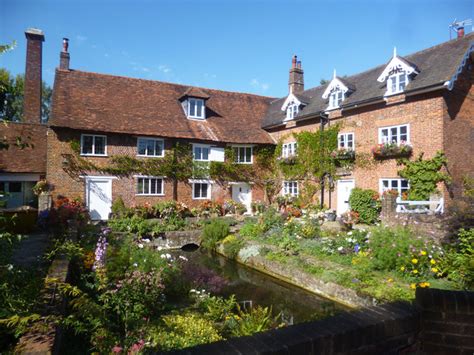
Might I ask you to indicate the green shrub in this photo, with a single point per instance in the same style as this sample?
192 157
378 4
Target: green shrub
214 232
366 204
135 224
459 260
271 218
251 230
119 210
183 331
257 319
232 245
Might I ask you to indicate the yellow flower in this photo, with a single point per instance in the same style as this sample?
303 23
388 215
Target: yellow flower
415 271
423 252
424 284
413 286
402 268
434 269
433 261
390 280
414 261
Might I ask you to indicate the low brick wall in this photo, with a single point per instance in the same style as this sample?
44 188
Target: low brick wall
387 329
447 321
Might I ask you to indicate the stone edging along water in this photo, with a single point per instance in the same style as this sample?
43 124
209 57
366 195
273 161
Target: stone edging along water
298 277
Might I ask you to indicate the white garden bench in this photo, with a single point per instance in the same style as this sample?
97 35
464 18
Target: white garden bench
436 207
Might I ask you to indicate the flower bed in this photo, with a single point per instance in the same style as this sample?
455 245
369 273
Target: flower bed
392 150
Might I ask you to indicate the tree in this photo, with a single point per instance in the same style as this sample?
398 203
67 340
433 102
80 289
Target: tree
11 97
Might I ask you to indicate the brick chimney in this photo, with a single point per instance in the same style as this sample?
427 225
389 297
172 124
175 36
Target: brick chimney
296 82
33 80
64 55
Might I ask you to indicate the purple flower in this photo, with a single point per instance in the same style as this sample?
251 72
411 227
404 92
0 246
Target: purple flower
100 251
357 248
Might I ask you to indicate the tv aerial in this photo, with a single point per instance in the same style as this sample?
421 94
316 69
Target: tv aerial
458 27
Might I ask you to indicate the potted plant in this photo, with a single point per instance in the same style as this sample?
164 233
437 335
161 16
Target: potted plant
393 149
343 154
40 187
331 215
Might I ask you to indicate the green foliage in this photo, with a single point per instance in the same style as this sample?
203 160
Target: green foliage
216 308
214 232
232 245
424 175
366 204
118 208
183 331
135 224
459 260
256 319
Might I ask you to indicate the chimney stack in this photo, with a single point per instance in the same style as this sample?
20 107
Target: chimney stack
33 79
64 55
460 32
296 81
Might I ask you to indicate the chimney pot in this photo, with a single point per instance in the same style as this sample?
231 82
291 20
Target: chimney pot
64 56
65 44
460 32
296 80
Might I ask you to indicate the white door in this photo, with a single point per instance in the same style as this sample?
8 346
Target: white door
242 193
99 197
344 188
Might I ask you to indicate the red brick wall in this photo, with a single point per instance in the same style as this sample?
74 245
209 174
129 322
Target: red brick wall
32 89
72 186
424 114
459 130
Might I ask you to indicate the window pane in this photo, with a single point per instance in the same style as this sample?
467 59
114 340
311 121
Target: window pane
341 141
14 186
141 146
385 184
285 150
146 186
404 133
350 141
205 153
197 153
196 190
204 190
393 83
140 186
395 184
248 155
159 186
384 135
153 186
150 144
199 108
393 134
87 144
99 145
159 148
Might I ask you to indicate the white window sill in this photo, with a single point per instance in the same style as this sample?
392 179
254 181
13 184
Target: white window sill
245 163
393 93
149 194
201 198
93 155
150 156
196 118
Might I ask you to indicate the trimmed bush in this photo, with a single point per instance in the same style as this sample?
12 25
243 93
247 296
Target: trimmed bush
366 204
214 232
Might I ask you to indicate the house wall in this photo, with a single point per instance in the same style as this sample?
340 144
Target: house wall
424 114
459 131
70 184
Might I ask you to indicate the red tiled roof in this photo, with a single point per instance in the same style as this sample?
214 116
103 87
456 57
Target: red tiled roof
31 159
98 102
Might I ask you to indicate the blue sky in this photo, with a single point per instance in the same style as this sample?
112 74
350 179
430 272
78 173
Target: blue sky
232 45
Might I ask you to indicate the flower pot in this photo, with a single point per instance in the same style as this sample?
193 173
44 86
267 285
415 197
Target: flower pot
331 216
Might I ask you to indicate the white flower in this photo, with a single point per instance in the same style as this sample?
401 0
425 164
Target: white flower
140 245
159 248
10 267
146 240
168 256
340 248
135 264
183 258
163 256
349 233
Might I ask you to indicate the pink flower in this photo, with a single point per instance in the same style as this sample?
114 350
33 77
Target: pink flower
117 349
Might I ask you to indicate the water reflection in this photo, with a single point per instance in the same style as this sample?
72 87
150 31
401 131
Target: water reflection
254 288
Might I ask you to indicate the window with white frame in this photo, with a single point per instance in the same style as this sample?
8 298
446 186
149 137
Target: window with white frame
147 185
243 154
92 144
289 149
201 190
397 82
400 185
395 134
290 188
291 111
346 141
335 98
150 147
196 108
201 152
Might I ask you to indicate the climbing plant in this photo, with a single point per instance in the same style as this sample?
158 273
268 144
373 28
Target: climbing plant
423 175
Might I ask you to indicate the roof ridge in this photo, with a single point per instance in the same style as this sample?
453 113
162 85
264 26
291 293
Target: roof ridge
163 82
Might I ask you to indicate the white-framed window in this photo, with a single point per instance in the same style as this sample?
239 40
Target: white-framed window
397 82
335 98
93 144
150 147
201 190
400 185
150 185
201 152
290 188
196 108
346 141
243 154
395 134
291 111
289 149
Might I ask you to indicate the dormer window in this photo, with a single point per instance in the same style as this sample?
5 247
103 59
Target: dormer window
335 98
396 83
291 111
196 108
398 74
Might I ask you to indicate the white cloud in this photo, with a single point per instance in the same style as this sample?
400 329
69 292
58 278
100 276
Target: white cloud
80 39
259 85
211 76
164 68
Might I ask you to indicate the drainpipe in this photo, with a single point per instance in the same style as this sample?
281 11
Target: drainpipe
323 117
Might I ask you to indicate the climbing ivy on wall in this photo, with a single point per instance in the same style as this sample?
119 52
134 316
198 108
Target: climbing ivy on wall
424 175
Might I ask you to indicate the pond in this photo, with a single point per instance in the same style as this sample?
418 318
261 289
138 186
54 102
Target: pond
226 277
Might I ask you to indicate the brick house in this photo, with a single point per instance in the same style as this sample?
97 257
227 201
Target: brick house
424 99
24 163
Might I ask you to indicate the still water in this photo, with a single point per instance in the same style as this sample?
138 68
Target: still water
252 287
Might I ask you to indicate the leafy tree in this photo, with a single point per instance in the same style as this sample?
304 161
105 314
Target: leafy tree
11 97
